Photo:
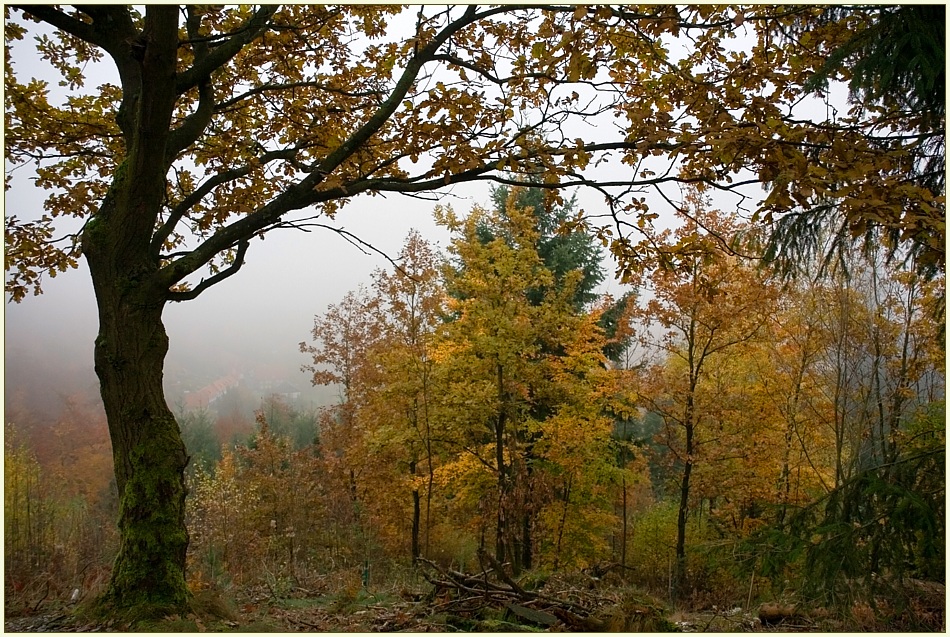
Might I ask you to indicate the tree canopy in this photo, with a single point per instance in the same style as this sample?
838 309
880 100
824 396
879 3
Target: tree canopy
262 121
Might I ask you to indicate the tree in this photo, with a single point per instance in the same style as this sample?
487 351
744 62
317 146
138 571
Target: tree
704 310
525 380
228 120
411 304
895 63
565 247
344 338
197 432
562 252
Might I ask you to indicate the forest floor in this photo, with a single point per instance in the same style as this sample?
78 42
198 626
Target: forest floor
315 615
559 606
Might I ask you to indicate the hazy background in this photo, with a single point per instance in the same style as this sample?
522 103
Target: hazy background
252 322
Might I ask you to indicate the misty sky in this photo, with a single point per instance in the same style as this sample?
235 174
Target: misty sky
257 316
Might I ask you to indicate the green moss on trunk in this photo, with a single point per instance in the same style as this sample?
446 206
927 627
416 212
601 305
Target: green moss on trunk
148 578
149 570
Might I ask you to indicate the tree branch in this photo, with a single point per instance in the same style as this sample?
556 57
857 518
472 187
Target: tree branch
217 278
60 20
222 54
180 210
195 123
270 86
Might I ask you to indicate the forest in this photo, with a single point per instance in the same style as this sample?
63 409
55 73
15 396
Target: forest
719 435
749 435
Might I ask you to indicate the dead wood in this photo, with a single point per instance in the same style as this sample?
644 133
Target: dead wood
471 592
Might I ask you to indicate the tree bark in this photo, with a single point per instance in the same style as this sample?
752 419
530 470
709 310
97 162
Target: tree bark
504 486
679 578
148 452
148 576
150 459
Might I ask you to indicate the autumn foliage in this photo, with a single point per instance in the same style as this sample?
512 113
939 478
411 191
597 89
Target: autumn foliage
478 413
483 412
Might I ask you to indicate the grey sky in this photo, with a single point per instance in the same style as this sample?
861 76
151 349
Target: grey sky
259 315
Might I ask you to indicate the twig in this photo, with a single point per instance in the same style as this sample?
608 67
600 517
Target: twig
36 606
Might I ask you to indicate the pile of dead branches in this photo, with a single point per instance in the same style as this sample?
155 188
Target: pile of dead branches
468 595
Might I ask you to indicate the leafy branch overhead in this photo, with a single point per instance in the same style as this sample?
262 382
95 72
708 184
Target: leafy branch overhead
245 115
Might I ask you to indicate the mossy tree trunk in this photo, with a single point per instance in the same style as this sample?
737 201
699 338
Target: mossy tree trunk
150 459
148 576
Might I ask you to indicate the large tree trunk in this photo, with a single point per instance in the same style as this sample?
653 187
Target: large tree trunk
148 576
148 452
150 458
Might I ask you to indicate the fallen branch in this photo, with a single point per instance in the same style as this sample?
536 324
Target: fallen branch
532 607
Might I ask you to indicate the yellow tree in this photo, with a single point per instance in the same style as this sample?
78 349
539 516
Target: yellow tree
411 304
226 121
856 365
491 350
524 382
699 313
375 344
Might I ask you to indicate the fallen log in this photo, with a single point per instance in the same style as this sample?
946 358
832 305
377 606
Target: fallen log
771 613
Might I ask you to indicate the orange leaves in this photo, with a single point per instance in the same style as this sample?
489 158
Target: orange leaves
343 337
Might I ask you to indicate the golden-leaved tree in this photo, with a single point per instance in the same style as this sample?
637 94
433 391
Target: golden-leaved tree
376 346
526 395
699 315
226 121
410 305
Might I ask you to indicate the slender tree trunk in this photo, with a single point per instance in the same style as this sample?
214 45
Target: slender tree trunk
563 521
527 555
529 512
501 525
430 477
416 514
679 579
791 423
623 537
681 519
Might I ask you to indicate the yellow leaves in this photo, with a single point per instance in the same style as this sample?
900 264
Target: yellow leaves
29 255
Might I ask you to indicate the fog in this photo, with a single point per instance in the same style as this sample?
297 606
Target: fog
250 322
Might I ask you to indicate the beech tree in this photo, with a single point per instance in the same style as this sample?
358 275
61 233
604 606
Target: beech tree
227 121
703 311
411 306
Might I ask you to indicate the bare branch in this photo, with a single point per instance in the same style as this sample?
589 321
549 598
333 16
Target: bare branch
212 280
271 86
366 248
